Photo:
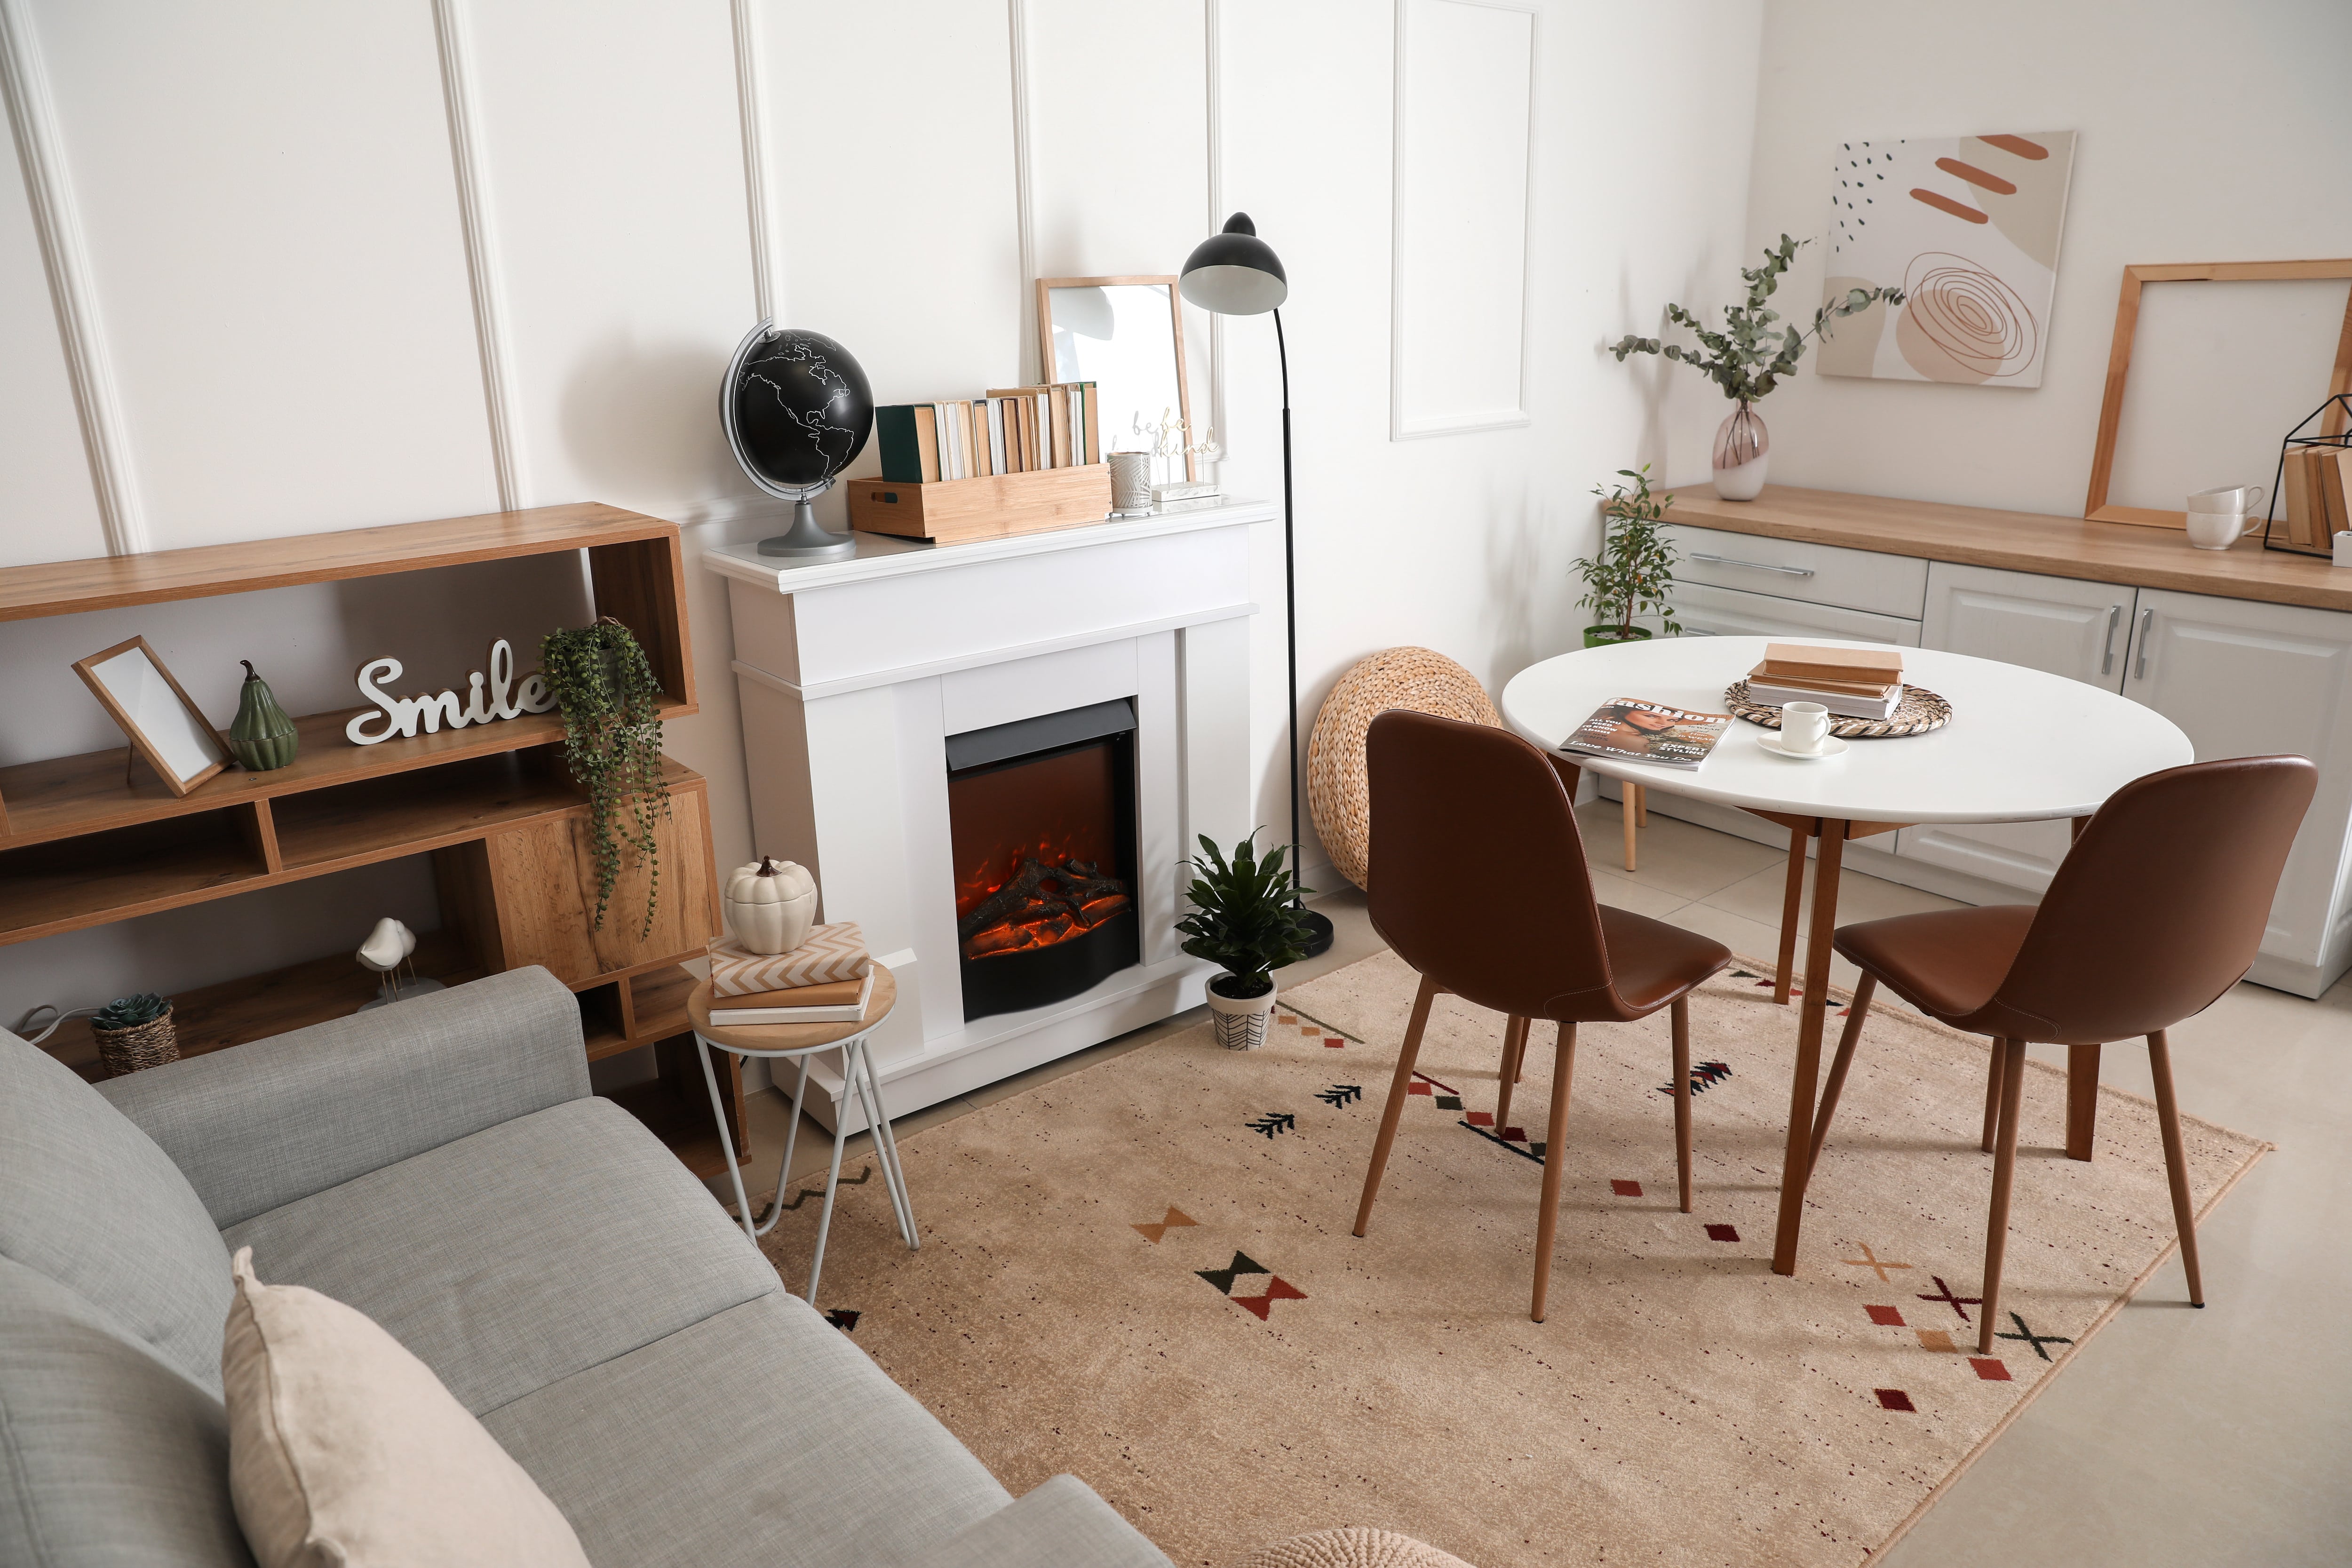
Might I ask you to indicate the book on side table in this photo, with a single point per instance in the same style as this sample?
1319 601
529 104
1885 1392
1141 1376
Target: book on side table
1852 682
827 979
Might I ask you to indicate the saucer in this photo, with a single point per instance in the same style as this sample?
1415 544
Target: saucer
1830 747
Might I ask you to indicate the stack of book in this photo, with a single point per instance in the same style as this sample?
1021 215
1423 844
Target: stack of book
2314 483
1013 430
828 979
1853 682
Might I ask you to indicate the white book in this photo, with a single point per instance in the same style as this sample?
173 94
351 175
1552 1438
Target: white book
1840 703
953 460
996 435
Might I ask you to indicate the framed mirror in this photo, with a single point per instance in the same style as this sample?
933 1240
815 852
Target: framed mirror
1127 336
163 722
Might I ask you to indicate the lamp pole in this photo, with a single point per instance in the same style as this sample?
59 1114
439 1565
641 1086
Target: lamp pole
1318 925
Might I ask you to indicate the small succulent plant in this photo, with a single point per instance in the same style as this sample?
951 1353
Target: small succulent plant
129 1011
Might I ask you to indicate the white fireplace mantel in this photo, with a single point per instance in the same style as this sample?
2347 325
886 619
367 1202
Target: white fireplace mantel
852 675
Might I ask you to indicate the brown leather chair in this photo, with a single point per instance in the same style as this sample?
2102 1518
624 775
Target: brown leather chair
2158 909
1479 882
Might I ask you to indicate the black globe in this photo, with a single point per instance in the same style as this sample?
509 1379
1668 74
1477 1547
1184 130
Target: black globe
797 407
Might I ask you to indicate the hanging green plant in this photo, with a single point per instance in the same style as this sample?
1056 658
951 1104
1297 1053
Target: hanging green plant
610 703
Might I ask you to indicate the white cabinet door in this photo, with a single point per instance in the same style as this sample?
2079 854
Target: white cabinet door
2056 624
2244 680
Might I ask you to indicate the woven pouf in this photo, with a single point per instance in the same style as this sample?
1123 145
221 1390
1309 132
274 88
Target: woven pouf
1350 1549
1339 792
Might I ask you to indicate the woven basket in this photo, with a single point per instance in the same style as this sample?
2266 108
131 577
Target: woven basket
147 1045
1355 1548
1339 791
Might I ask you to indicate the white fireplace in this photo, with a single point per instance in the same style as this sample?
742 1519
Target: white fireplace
857 675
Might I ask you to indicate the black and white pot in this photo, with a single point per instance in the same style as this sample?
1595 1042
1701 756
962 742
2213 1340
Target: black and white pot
1240 1020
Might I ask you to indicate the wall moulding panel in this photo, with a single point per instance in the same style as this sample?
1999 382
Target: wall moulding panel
474 210
1461 216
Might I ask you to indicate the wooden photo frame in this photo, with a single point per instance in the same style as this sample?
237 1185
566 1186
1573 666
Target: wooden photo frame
1117 411
125 680
2111 408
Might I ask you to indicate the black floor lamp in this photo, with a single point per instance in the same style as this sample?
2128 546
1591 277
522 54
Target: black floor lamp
1235 273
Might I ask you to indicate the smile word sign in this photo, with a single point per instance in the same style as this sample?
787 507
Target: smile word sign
485 700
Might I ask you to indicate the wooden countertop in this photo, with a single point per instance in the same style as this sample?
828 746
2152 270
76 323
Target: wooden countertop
2023 541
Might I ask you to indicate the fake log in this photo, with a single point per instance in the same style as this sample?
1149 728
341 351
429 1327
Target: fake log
1041 904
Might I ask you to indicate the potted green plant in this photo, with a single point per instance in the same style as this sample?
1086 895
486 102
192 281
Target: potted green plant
1245 921
134 1033
1747 358
1633 571
611 703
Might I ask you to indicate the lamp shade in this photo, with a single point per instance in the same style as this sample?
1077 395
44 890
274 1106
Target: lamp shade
1235 273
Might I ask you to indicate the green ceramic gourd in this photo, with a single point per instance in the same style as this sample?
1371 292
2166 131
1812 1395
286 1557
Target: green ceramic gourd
262 735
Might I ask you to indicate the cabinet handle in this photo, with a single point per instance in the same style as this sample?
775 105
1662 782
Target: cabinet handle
1754 565
2107 657
2139 670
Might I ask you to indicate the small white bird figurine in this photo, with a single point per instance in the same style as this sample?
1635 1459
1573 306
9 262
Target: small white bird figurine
389 946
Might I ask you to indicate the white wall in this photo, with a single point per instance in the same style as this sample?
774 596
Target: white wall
298 336
2205 132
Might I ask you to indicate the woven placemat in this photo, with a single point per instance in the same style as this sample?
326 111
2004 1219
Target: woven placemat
1919 712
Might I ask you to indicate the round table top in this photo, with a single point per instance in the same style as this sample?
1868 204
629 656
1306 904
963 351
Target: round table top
2022 745
772 1038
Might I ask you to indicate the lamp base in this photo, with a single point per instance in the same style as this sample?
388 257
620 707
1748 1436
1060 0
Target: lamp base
807 541
1319 933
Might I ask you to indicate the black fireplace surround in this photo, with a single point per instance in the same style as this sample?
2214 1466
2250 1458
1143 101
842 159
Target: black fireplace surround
1041 817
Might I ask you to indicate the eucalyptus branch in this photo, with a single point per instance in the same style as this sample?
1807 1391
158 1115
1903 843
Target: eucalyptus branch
1748 358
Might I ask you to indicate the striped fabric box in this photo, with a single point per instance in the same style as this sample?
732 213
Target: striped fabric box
831 954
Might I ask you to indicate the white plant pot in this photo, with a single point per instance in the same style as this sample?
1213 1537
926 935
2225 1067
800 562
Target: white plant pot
1240 1023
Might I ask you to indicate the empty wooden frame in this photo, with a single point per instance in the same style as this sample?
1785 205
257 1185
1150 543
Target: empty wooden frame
166 729
2111 409
1120 319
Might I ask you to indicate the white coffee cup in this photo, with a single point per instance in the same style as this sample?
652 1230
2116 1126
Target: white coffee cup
2228 498
1804 726
2217 519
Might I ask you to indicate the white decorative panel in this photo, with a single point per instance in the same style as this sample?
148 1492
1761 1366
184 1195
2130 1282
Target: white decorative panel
1465 129
268 204
48 510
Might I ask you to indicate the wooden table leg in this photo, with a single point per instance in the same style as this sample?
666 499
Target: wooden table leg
1793 900
1626 797
2082 1100
1812 1021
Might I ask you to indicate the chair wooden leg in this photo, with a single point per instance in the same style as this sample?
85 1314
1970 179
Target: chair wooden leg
2004 1171
1993 1096
2175 1162
1793 900
1515 1055
1847 1040
2081 1101
1633 812
1555 1157
1398 1088
1680 1013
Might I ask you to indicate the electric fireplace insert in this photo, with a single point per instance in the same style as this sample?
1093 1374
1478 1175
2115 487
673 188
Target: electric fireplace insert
1041 818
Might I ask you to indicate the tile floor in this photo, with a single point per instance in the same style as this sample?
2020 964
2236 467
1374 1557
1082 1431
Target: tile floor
2218 1438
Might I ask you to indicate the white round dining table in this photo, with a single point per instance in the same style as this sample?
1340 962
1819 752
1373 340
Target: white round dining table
2022 746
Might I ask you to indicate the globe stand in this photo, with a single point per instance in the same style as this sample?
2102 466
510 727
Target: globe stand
809 541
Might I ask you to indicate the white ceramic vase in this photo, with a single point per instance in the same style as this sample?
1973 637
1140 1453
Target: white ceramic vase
1240 1021
1742 448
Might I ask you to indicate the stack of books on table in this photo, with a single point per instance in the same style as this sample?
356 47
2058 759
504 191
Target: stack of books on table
1852 682
1013 430
826 980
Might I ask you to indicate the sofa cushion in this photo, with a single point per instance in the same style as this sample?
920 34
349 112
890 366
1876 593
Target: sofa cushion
346 1452
519 1255
761 1437
1060 1524
88 1200
110 1455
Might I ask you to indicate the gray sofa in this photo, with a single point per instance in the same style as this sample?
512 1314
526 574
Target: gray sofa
442 1166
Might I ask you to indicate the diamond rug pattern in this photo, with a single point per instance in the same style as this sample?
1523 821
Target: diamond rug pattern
1086 1245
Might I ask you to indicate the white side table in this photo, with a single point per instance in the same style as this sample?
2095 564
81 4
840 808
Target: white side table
803 1041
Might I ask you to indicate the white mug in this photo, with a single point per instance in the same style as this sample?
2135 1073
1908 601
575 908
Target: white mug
1804 726
2220 530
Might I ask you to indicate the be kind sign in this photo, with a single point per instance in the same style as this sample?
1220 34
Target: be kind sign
496 695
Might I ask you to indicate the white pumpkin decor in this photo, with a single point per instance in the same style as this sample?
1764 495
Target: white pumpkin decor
771 906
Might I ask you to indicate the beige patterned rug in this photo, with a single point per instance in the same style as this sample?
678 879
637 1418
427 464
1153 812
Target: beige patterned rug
1142 1273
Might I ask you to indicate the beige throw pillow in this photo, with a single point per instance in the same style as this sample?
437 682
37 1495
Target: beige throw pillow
346 1452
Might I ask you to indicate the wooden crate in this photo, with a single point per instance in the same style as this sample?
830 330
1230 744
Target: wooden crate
955 511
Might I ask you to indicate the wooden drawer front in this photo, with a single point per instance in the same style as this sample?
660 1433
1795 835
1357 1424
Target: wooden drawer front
1789 569
1705 611
545 874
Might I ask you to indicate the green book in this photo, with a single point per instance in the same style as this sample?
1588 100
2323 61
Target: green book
908 434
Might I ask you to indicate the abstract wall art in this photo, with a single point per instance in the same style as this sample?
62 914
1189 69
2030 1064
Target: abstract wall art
1967 228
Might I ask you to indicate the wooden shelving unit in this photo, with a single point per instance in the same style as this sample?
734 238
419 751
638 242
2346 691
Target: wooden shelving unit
86 840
